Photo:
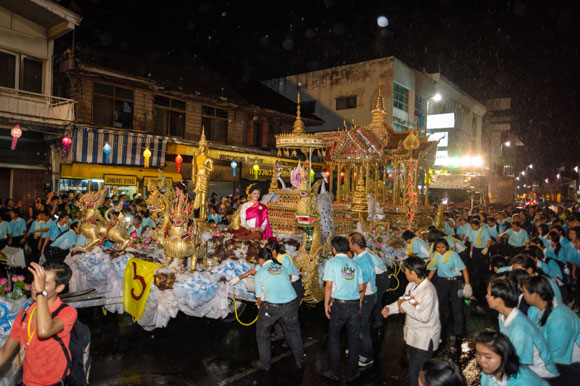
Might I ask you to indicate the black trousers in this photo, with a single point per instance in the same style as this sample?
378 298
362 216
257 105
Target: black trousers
569 374
416 359
368 304
344 315
287 314
383 284
55 254
16 242
447 290
478 268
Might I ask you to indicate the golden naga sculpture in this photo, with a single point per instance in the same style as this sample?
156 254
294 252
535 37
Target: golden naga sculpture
202 166
179 243
117 226
160 196
307 262
94 227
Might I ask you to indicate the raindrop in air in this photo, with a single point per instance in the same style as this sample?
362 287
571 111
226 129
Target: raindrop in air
382 21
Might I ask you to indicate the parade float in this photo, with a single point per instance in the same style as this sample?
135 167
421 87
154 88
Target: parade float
185 264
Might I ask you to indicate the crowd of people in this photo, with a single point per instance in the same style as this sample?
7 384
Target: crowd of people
522 264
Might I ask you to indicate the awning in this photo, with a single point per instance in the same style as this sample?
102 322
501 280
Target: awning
126 147
450 181
88 171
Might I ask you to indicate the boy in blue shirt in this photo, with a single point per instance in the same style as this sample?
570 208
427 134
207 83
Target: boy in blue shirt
17 229
343 295
60 247
478 264
528 340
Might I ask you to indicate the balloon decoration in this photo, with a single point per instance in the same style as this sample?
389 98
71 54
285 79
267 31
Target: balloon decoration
147 155
66 142
256 168
178 161
107 150
234 165
15 133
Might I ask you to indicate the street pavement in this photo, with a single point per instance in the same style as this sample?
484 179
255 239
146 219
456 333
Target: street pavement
201 351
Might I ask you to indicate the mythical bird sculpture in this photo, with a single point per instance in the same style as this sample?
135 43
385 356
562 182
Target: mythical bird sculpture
158 201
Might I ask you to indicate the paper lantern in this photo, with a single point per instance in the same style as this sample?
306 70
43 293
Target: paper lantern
341 174
147 155
178 161
256 167
66 142
311 175
327 173
107 149
234 165
15 133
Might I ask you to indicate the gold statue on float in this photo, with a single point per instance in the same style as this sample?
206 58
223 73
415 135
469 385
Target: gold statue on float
202 166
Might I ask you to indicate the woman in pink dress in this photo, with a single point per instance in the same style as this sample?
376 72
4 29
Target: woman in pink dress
254 221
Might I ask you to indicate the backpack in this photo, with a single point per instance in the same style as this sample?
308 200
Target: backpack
79 359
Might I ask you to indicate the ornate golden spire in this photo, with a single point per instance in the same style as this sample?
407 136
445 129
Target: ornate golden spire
298 124
202 140
379 113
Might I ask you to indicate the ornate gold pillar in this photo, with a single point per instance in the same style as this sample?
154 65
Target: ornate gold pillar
395 182
331 178
346 180
338 183
367 177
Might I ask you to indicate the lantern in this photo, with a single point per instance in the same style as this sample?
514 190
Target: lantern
390 176
147 155
311 176
15 133
66 142
256 167
341 174
107 150
234 165
178 161
327 173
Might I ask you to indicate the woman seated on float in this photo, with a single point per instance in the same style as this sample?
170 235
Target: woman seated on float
254 221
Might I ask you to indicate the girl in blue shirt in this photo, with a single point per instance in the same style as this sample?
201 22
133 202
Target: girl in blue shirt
499 362
560 326
517 238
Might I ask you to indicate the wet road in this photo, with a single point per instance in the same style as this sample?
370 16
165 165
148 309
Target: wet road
200 351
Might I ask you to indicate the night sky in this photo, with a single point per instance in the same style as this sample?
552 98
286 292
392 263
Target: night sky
527 50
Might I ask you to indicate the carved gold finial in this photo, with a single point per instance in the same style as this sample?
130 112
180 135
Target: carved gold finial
202 140
298 124
379 113
412 142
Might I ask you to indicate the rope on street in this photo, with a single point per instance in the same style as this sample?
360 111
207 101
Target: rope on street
238 319
397 271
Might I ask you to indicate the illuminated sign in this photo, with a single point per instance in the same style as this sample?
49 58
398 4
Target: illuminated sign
441 121
441 136
442 158
155 180
112 179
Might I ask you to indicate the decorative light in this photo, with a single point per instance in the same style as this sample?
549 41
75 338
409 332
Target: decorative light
546 180
147 155
531 166
517 178
234 165
107 150
256 168
66 142
311 175
558 175
327 173
341 174
523 172
508 144
390 176
178 161
437 97
576 169
15 133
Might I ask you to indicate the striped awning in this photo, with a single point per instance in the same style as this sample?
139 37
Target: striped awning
127 147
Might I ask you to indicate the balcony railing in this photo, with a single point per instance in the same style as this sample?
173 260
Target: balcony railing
31 107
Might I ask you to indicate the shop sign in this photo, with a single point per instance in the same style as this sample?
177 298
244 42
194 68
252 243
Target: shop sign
113 179
265 172
155 180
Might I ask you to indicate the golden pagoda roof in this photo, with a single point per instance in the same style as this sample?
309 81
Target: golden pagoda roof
298 138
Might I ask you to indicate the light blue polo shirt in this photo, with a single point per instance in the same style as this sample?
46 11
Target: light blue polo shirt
148 222
287 263
451 268
525 336
133 229
81 240
50 224
345 275
474 234
573 256
66 240
18 227
4 230
368 271
273 284
448 229
502 227
524 377
419 247
517 239
562 331
57 230
378 262
461 229
492 231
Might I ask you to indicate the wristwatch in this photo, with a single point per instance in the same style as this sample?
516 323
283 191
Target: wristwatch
43 293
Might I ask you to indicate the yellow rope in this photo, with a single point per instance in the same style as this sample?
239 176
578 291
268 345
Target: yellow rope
238 319
397 271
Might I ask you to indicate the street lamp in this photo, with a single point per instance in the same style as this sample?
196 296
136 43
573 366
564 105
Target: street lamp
507 143
558 176
531 166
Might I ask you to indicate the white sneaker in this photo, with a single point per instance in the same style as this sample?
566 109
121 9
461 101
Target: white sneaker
364 362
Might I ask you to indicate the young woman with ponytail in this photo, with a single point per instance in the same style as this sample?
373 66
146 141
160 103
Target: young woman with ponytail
560 326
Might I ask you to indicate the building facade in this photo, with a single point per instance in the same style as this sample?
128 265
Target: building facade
28 109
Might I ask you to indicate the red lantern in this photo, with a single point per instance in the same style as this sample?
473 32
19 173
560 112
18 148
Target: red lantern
390 176
178 161
327 173
341 174
66 142
15 133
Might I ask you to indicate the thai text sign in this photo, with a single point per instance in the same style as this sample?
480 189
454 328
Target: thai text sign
138 279
113 179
